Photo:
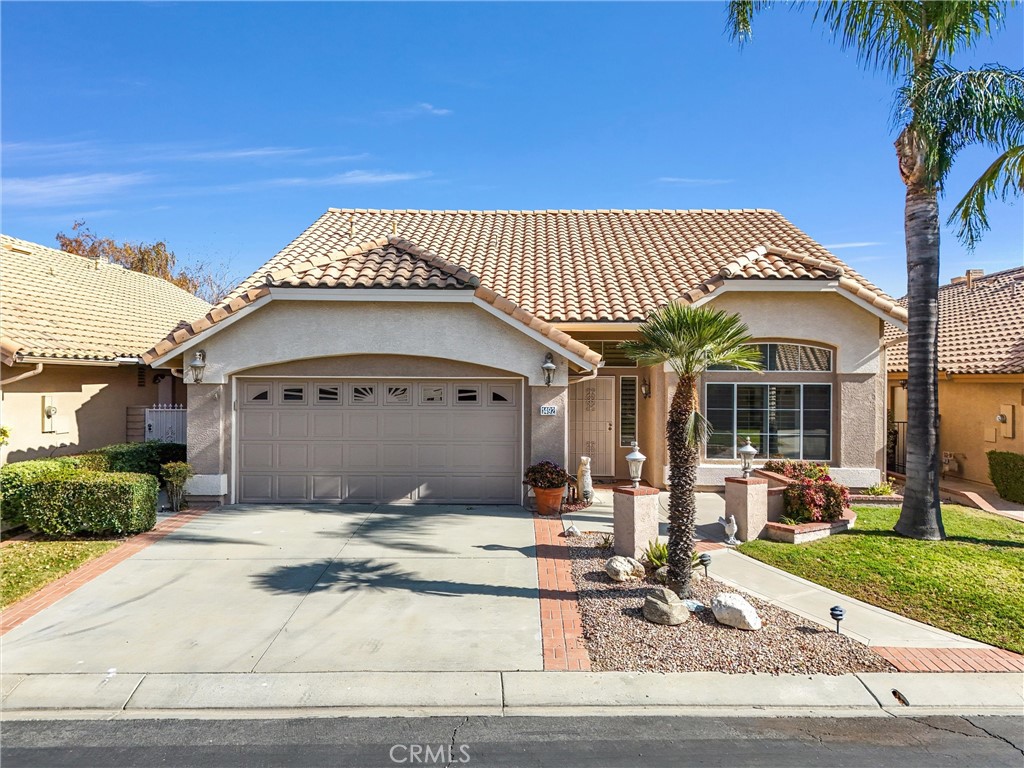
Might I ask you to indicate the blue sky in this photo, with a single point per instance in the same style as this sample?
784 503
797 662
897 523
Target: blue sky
226 129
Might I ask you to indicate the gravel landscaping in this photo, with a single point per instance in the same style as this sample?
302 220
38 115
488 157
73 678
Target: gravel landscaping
620 639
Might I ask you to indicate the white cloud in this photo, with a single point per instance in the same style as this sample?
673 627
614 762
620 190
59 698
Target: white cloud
241 154
346 179
66 188
840 246
430 109
683 181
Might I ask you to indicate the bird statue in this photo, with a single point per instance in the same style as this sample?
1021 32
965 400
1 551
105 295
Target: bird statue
584 483
730 529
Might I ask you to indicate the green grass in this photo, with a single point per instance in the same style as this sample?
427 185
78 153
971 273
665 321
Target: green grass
971 584
27 566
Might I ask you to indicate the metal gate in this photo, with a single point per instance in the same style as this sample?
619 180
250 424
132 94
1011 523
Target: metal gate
167 423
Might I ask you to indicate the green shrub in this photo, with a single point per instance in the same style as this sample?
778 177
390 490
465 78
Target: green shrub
656 553
815 499
1007 472
91 502
15 479
175 474
880 489
146 458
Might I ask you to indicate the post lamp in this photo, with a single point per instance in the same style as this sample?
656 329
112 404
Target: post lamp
747 453
705 560
549 369
635 460
837 613
198 366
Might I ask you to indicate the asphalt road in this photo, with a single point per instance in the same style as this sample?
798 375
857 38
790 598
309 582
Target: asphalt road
590 742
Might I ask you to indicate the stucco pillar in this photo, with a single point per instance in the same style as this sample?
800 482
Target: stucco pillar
635 519
747 500
549 434
208 439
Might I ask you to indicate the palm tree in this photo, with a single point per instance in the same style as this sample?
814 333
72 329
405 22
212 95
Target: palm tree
910 41
690 340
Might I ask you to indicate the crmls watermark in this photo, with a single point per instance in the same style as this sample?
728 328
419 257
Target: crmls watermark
429 754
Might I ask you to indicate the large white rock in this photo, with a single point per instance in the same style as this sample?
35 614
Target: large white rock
621 568
733 610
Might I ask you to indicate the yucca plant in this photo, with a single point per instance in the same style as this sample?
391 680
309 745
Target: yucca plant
656 554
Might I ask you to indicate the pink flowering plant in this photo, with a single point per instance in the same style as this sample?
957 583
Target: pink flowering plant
795 470
545 474
816 500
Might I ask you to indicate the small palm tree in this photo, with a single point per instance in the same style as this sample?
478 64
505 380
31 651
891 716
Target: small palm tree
939 112
690 340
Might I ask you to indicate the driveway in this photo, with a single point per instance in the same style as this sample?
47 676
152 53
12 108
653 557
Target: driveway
256 588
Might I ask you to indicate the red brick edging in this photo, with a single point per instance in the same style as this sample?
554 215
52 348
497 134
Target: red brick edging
26 608
951 659
560 621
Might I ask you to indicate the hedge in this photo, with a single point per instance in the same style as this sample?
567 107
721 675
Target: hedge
146 458
91 502
1007 472
15 479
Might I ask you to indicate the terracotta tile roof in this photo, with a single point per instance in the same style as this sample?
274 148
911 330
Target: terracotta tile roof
981 328
389 262
58 305
580 266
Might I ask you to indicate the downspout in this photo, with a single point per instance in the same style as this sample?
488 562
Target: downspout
21 376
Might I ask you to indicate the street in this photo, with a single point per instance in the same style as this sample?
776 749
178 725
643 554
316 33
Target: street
498 742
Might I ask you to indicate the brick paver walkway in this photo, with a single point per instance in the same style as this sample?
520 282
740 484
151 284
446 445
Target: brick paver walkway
952 659
560 621
21 611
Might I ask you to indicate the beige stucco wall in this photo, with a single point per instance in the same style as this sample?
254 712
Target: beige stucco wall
378 366
284 331
91 404
968 411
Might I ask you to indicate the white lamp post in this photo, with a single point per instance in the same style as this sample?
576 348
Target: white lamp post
635 460
747 453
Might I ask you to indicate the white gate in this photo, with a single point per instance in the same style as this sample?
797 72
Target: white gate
166 423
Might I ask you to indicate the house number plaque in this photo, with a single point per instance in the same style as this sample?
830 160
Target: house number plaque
549 410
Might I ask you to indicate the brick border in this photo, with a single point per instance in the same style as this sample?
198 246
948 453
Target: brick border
19 612
561 624
951 659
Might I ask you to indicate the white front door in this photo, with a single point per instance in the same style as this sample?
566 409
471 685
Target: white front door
592 410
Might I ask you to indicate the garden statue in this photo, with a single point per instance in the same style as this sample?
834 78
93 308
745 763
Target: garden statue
584 483
730 529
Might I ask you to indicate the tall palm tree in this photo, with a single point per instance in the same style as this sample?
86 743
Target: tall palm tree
911 41
690 340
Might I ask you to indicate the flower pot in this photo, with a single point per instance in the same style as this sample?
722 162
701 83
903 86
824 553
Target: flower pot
549 500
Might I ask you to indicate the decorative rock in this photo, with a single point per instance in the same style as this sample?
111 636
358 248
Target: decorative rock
663 606
661 574
624 568
733 610
573 531
693 605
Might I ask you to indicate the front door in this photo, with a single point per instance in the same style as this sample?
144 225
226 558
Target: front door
592 410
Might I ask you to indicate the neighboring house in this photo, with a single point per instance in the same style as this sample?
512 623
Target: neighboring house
399 355
72 332
981 373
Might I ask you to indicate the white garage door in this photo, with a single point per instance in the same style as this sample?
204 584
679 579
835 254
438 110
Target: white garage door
378 441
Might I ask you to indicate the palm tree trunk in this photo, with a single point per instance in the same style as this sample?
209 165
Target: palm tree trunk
921 516
682 503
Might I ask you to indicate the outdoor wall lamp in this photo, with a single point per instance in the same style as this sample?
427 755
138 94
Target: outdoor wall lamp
198 366
635 460
747 453
645 388
903 383
549 369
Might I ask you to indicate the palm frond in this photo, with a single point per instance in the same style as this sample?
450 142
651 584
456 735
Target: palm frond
741 17
1003 179
698 429
692 339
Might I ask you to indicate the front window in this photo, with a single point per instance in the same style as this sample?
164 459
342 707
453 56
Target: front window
789 357
789 421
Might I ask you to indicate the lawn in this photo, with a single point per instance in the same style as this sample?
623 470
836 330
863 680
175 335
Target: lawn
971 584
26 566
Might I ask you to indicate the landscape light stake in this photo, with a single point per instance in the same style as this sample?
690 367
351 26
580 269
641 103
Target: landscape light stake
705 560
837 614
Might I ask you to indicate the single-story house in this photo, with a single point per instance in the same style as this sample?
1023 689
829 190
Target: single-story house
391 355
72 334
981 374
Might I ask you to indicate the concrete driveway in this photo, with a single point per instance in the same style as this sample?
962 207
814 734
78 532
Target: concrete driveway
254 588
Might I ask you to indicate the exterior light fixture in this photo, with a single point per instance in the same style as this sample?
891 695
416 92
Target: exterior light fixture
645 388
903 383
549 369
837 613
747 453
635 460
198 366
705 560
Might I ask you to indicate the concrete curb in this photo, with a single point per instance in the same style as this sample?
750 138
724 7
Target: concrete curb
408 694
